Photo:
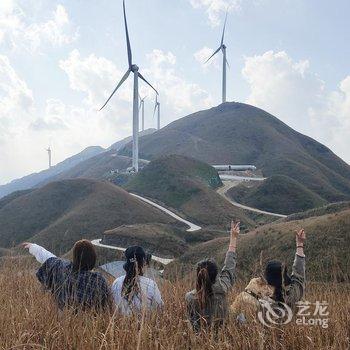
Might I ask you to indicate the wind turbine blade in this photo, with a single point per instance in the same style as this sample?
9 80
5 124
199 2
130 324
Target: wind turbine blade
142 77
223 31
213 54
127 37
227 64
118 86
155 109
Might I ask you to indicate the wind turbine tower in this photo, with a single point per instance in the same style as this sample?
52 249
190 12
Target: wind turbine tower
157 109
49 154
222 47
135 106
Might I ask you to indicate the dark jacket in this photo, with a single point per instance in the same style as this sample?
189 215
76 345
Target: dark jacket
83 289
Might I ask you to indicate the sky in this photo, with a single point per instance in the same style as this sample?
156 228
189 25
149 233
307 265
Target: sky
60 60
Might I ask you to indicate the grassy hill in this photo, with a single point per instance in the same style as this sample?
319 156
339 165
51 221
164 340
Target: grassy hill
101 167
60 213
120 144
10 197
187 185
34 179
159 239
237 133
278 194
327 248
326 209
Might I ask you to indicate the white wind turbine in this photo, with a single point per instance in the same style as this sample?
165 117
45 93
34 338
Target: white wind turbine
142 109
49 152
157 109
135 124
222 47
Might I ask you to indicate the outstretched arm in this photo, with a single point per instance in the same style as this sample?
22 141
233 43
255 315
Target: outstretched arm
227 276
297 287
40 253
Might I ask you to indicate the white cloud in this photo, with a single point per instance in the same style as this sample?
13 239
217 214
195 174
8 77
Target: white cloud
18 29
215 9
180 95
16 99
291 91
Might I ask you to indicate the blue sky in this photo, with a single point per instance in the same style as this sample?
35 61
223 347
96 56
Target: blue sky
59 60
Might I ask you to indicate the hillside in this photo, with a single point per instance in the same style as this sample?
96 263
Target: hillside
328 239
33 180
237 133
10 197
278 194
60 213
326 209
101 167
120 144
187 185
159 239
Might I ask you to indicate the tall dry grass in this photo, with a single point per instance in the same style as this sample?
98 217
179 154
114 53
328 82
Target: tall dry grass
30 320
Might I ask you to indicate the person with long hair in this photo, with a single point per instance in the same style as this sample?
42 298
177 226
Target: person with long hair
134 292
72 283
288 289
207 303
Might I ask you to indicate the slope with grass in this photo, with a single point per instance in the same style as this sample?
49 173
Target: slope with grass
278 194
104 166
62 212
187 185
237 133
28 323
34 179
120 144
327 248
158 239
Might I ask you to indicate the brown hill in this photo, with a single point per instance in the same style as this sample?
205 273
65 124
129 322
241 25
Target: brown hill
60 213
278 194
236 133
327 248
187 185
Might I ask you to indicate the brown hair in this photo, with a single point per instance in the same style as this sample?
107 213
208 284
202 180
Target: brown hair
207 271
84 256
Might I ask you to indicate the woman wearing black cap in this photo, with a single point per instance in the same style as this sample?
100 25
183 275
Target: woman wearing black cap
288 289
134 292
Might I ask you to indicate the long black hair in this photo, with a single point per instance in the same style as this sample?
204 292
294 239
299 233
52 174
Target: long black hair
207 271
135 260
276 275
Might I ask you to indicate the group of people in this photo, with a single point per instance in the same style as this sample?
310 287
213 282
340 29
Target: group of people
75 284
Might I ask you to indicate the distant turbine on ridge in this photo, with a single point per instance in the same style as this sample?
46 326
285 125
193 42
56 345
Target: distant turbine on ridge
49 154
135 120
142 108
222 47
157 109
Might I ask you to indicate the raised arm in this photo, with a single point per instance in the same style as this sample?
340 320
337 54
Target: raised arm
40 253
297 287
227 276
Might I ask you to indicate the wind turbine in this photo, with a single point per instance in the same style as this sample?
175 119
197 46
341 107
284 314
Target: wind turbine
135 120
157 108
222 47
142 108
49 154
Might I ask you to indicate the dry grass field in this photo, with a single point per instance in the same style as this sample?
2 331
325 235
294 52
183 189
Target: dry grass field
30 320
